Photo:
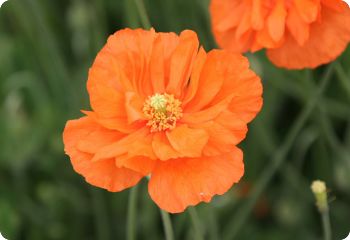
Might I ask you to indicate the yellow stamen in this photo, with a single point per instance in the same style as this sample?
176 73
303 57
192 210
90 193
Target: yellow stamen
162 111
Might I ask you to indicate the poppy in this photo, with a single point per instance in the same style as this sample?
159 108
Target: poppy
296 34
165 108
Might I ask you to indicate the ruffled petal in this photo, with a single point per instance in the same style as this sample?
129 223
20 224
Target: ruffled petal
188 142
143 165
133 107
240 90
183 182
308 9
298 28
226 14
115 123
276 21
105 99
104 174
182 61
132 50
225 132
210 81
123 146
162 147
327 41
195 76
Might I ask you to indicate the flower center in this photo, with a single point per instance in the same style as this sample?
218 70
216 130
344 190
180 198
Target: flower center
162 111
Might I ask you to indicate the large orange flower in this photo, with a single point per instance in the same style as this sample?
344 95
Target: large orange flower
163 107
296 33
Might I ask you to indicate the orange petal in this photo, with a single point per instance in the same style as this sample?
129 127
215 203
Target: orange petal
179 183
225 132
195 76
207 114
257 15
119 124
162 147
308 9
142 146
226 14
170 43
107 101
132 50
245 24
241 91
297 26
336 5
188 142
264 38
120 147
276 21
143 165
182 61
133 106
210 81
102 174
97 138
156 65
328 40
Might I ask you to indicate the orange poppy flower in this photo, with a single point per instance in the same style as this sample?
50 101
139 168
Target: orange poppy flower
163 107
296 33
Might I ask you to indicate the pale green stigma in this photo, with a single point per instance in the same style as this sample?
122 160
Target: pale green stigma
158 102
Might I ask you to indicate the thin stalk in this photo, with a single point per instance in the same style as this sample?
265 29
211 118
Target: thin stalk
101 216
168 229
140 5
132 209
277 159
343 78
327 232
198 235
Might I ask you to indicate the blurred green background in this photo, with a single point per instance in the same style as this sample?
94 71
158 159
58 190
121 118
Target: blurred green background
46 48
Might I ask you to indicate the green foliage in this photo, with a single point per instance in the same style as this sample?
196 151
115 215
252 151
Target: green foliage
46 48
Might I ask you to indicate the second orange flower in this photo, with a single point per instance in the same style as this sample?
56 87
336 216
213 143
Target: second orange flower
296 33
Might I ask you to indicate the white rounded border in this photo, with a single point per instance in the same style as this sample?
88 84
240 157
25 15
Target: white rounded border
1 237
2 2
347 238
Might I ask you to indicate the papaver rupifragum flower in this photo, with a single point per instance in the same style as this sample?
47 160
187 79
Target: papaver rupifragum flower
165 108
295 33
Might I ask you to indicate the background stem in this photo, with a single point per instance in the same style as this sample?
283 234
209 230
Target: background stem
143 14
198 235
132 207
168 229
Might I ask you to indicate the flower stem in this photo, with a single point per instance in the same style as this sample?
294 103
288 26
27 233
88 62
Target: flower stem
143 14
343 78
319 190
196 224
131 224
326 225
168 229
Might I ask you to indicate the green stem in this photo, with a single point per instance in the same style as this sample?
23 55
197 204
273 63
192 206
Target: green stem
196 224
326 225
131 224
343 78
168 229
277 160
143 14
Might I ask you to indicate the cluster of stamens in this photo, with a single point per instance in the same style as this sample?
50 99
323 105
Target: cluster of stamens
162 111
